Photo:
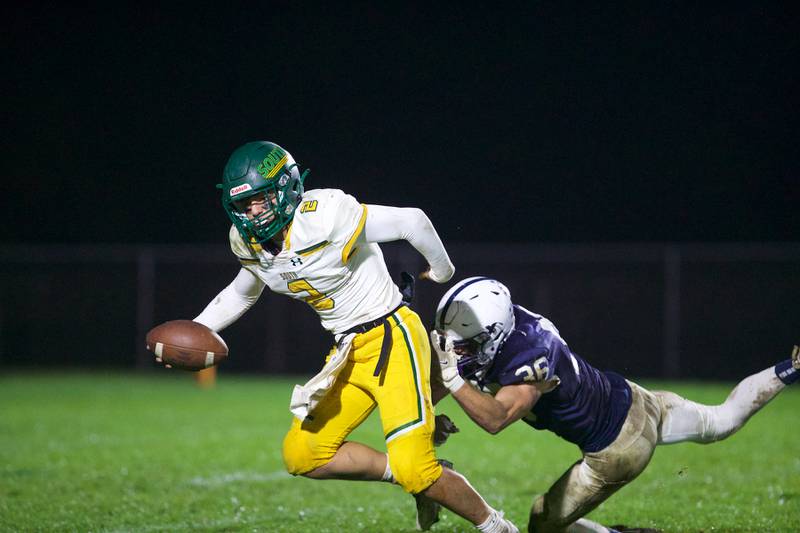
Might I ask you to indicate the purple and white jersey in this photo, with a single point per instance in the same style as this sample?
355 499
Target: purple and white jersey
581 404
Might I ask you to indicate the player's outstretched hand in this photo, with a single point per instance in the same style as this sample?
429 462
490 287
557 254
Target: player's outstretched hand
443 428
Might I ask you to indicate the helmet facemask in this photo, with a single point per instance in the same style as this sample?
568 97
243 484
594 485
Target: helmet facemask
281 194
476 354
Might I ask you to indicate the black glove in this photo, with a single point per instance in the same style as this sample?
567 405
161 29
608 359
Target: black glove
406 286
444 427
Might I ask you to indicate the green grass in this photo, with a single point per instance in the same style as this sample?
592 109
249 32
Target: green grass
114 452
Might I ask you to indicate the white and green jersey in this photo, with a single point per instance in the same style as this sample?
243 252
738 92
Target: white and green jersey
326 262
330 259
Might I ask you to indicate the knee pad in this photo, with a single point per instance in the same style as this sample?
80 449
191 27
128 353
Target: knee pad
299 453
415 474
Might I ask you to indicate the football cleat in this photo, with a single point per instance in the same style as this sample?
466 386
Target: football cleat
427 509
508 526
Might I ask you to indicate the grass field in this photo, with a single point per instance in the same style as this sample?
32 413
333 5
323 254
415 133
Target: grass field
115 452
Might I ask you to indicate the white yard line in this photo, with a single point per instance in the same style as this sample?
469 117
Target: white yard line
233 477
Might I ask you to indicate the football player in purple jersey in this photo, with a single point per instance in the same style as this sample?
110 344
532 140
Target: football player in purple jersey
530 373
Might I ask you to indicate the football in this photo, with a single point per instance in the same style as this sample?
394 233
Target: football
186 345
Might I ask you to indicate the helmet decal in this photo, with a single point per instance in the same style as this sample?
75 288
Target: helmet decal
240 189
271 164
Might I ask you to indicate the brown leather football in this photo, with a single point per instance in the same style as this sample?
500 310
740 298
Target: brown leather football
186 345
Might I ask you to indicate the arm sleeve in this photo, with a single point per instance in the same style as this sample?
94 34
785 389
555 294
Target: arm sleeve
232 301
386 224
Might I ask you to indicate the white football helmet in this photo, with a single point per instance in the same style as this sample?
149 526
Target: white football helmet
477 315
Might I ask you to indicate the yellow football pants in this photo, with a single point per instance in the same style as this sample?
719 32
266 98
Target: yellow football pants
402 395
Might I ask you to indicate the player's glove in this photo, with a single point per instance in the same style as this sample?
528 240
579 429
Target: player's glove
444 427
448 361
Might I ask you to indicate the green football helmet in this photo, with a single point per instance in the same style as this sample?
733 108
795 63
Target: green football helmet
261 168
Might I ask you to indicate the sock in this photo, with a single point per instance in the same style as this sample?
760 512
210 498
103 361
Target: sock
387 474
493 524
786 372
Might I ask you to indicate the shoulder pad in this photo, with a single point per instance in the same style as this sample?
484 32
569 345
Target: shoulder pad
327 215
242 250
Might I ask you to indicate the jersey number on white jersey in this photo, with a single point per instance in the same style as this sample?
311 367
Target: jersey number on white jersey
315 299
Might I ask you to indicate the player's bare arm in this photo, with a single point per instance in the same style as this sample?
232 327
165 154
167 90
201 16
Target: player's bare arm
492 413
495 413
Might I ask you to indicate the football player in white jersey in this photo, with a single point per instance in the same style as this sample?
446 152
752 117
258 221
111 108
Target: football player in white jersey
321 246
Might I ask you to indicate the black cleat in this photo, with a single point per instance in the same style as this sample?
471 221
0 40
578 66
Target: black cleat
427 509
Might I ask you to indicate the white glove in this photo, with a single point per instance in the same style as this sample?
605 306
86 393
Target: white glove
448 361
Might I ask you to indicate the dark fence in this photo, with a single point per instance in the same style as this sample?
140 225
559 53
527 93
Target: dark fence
654 310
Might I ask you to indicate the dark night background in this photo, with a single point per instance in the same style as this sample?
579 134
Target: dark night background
588 155
548 122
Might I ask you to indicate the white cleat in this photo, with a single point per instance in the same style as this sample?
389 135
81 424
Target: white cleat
507 526
497 523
